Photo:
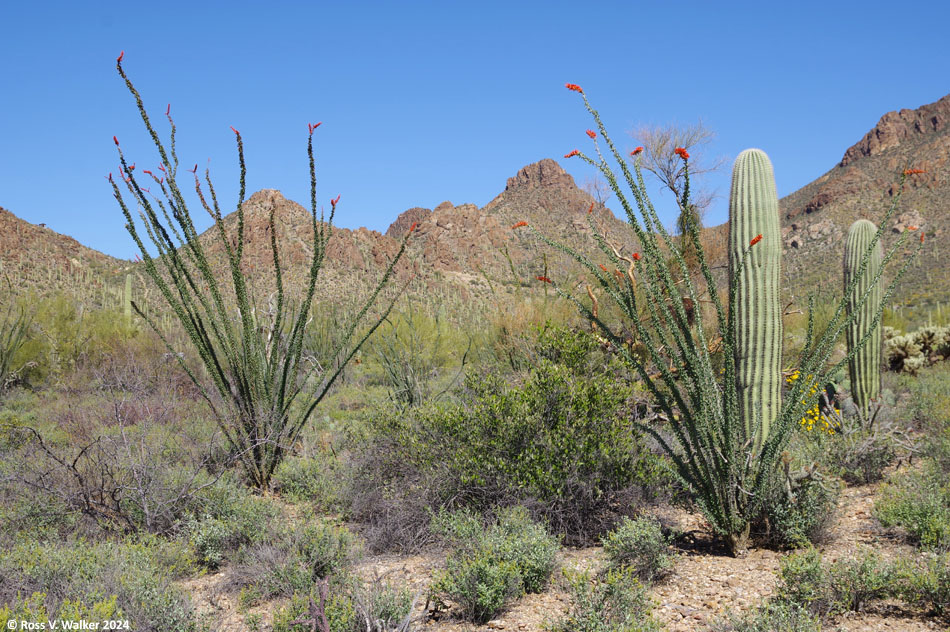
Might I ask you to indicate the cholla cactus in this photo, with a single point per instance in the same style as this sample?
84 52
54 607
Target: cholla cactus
900 349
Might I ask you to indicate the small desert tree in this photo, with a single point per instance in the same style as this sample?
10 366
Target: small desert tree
262 390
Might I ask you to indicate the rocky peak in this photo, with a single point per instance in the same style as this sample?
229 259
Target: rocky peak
897 127
415 215
544 173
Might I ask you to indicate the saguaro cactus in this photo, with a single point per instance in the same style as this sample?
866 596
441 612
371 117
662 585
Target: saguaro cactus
753 211
127 299
864 367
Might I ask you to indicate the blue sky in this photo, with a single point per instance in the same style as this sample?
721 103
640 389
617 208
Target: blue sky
429 101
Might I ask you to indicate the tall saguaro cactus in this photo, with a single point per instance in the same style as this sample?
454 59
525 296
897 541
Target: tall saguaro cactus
127 299
864 367
753 211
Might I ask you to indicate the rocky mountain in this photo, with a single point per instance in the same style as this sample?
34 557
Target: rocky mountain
472 254
864 183
36 258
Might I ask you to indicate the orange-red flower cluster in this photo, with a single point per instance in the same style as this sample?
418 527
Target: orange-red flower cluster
636 151
543 278
591 209
921 236
519 225
755 240
168 110
911 228
313 126
603 267
412 228
911 172
568 155
235 131
336 201
592 133
574 87
119 58
682 153
636 256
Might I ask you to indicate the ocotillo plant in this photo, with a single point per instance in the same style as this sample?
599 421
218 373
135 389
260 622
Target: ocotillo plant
864 367
262 391
753 211
711 446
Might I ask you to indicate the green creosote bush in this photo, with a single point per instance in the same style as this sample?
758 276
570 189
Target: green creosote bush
728 429
641 546
557 440
261 391
488 567
613 602
133 577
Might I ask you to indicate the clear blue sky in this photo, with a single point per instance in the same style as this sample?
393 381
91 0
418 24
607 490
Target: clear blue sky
429 101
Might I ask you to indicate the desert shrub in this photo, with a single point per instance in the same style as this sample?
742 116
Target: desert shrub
772 617
615 602
558 441
641 546
803 517
314 479
292 560
928 585
919 502
846 585
133 577
490 566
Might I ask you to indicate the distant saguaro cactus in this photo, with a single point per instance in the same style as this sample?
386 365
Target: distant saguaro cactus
864 367
127 299
753 214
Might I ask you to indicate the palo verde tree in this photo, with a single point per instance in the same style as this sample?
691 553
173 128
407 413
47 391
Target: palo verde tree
725 453
263 389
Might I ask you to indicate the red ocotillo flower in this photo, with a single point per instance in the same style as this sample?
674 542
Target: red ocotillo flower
603 267
682 153
592 133
519 225
572 153
118 59
146 171
414 226
921 236
313 126
162 168
168 110
591 209
195 168
636 256
336 201
911 172
235 131
755 240
132 167
574 87
636 151
544 279
115 140
911 228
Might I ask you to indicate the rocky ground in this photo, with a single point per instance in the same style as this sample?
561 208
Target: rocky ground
704 584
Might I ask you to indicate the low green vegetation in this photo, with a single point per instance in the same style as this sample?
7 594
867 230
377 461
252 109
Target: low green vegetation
489 566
